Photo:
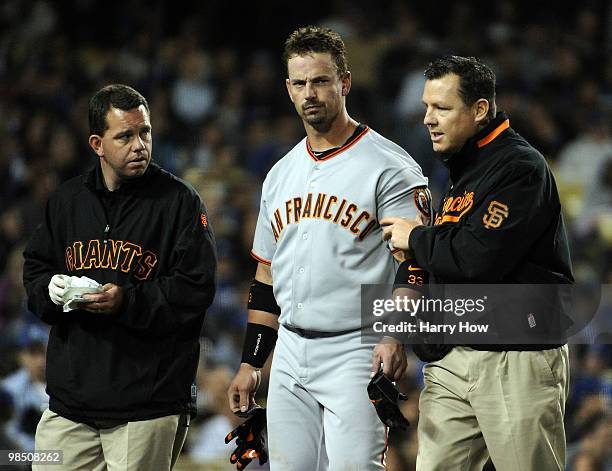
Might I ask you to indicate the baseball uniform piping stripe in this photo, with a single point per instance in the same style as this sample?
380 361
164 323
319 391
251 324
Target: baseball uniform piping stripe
259 259
346 146
493 134
382 456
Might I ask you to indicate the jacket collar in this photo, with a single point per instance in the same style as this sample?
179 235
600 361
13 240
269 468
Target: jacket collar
457 161
95 181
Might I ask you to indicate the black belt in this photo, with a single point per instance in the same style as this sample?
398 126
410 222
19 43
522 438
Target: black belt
315 334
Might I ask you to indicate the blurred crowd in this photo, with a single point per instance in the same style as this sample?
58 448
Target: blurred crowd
221 118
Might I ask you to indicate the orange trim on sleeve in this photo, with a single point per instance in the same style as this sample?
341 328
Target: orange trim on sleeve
493 134
259 259
348 145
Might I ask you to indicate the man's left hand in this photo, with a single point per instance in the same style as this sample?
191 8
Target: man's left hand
107 302
398 230
391 353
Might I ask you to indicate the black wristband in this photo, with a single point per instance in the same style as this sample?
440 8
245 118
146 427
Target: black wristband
261 298
409 273
259 341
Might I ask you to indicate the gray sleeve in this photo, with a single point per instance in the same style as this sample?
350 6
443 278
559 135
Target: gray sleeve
264 242
395 196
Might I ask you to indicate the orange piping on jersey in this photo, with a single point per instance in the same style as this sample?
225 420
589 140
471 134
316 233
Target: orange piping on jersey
493 134
384 452
259 259
337 151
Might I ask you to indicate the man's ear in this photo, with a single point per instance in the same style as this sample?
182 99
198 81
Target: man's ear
95 142
481 108
346 83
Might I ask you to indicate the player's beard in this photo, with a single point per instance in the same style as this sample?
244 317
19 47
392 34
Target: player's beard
320 121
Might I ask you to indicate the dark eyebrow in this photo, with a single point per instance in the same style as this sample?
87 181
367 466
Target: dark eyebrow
128 132
436 104
318 77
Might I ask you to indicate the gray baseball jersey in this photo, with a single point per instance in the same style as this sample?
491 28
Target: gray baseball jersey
318 227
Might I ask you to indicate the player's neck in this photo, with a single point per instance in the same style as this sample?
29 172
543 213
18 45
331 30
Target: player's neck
338 133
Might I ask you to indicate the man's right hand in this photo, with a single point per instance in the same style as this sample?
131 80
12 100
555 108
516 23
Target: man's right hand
57 288
398 230
241 393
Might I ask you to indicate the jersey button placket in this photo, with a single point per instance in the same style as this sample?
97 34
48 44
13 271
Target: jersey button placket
300 279
301 285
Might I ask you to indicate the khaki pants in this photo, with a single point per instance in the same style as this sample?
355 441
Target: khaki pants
144 445
506 404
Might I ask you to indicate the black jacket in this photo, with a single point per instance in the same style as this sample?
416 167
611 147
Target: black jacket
500 219
152 238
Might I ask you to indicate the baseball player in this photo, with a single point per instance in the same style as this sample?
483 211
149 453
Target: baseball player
317 240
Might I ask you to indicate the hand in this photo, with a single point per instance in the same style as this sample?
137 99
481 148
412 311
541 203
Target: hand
57 288
398 230
391 353
109 301
241 393
250 440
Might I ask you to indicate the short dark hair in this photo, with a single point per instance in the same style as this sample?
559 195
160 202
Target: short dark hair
310 39
116 95
476 79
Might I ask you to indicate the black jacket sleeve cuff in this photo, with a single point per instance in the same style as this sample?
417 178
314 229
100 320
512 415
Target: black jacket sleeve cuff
413 239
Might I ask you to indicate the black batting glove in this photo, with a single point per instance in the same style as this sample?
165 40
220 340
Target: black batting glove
250 440
384 395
